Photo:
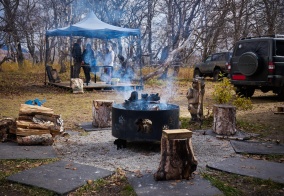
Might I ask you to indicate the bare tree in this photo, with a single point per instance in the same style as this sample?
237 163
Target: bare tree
190 42
10 19
268 16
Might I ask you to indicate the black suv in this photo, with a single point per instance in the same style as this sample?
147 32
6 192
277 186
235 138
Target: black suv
258 63
213 65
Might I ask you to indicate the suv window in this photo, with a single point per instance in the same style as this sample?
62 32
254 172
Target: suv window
261 48
208 59
218 57
279 50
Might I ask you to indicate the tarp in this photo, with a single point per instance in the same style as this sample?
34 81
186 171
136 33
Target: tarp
92 27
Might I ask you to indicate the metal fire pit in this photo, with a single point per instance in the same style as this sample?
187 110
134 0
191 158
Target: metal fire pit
144 119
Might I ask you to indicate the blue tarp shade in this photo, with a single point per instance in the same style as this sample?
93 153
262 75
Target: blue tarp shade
92 27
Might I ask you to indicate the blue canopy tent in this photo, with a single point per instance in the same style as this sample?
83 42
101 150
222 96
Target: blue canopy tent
92 27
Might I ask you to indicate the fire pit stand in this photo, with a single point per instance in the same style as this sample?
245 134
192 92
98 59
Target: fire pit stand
144 119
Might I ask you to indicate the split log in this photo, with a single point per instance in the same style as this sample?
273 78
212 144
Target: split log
44 117
102 113
177 156
44 139
52 121
26 109
31 125
7 125
27 132
224 122
25 117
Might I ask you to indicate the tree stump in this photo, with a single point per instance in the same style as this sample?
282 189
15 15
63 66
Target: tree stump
177 157
224 122
102 113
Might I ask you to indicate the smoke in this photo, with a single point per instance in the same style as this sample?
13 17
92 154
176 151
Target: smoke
169 92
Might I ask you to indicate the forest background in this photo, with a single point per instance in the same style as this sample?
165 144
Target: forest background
197 27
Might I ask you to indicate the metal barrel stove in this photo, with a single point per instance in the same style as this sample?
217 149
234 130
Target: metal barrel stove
143 120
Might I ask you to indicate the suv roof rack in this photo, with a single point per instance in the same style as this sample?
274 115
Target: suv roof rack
262 36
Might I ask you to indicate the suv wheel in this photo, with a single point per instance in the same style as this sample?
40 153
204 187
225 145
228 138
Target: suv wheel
245 91
216 74
248 63
280 94
196 73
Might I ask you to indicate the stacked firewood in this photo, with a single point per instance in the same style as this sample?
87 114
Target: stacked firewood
37 125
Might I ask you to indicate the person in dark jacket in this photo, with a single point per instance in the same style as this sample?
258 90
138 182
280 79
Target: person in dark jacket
77 55
88 61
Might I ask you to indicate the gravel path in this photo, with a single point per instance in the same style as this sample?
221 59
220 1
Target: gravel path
97 149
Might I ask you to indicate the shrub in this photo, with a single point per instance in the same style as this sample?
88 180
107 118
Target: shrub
224 93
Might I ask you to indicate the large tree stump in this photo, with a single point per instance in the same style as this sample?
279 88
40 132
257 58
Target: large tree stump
224 122
177 157
102 113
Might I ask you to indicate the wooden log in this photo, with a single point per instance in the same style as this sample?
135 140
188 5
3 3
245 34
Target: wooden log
25 117
27 132
224 121
55 119
44 139
31 125
6 122
41 121
26 109
44 117
280 110
102 113
6 125
177 156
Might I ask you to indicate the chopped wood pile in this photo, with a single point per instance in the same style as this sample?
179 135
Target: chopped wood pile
37 125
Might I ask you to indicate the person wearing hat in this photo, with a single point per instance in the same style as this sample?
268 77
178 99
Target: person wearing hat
77 56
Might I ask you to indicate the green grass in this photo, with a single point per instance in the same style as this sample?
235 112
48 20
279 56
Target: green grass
222 186
187 124
256 128
233 184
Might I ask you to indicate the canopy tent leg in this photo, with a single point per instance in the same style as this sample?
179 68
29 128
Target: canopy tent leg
71 66
46 56
140 60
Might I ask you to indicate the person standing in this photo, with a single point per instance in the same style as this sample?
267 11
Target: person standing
77 55
109 57
88 61
108 63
